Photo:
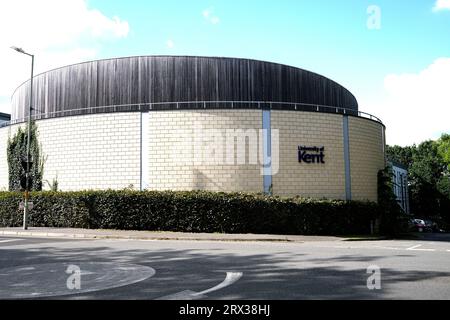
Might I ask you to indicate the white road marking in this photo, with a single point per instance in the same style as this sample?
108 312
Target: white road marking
9 240
415 248
231 278
50 279
388 248
361 247
401 247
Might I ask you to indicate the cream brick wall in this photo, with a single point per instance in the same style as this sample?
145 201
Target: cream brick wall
104 151
89 152
309 180
3 159
171 147
366 157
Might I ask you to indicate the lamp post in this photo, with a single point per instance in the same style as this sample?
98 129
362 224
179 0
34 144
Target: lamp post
28 160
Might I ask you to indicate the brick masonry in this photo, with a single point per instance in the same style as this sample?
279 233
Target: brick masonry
87 152
366 157
309 180
176 164
104 151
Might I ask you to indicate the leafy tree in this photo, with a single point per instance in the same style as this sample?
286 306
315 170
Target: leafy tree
403 155
427 164
444 149
444 152
429 179
426 174
17 152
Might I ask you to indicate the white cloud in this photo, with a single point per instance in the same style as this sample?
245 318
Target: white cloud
441 5
57 32
417 105
210 17
215 20
170 44
206 13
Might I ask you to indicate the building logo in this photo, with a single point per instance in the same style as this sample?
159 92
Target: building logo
311 155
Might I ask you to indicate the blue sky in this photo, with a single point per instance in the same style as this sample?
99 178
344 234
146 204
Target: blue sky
329 37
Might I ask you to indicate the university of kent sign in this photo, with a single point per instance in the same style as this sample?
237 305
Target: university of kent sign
311 155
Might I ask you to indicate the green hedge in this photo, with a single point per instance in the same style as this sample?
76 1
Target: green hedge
190 212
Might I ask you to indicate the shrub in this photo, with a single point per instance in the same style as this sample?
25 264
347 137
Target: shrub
190 212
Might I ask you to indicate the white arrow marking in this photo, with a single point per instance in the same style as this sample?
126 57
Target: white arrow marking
415 248
231 278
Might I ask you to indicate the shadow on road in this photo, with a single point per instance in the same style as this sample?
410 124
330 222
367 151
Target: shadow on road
427 236
280 276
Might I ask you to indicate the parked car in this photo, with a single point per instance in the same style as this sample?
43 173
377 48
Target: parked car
418 225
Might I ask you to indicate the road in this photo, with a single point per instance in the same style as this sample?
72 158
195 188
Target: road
38 268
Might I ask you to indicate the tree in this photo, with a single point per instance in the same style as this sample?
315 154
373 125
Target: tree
17 152
444 149
443 184
427 164
428 174
402 155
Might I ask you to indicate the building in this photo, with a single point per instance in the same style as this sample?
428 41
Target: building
400 185
4 118
201 123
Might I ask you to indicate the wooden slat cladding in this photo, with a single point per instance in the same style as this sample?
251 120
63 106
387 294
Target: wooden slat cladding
151 79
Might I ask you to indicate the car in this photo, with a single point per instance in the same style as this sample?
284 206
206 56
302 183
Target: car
418 225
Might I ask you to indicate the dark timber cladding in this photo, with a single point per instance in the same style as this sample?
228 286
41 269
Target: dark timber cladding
140 80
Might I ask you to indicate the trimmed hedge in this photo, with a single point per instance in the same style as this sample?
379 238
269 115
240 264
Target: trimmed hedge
190 212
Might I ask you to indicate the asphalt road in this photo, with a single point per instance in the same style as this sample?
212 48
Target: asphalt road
33 268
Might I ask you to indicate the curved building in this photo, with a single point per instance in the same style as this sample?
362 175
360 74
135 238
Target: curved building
200 123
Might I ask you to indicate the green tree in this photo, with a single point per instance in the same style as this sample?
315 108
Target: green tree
402 155
425 173
17 151
444 149
427 164
443 184
429 178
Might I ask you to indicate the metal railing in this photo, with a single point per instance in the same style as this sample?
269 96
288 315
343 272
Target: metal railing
198 105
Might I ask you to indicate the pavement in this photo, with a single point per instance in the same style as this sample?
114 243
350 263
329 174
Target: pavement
151 235
64 267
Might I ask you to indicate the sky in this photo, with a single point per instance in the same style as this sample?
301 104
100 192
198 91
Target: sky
393 55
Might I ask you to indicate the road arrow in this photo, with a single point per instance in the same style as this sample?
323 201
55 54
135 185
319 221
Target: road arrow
231 278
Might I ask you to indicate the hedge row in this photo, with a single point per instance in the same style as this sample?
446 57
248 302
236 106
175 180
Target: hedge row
190 212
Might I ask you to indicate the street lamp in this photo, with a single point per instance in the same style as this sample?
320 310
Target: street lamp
28 160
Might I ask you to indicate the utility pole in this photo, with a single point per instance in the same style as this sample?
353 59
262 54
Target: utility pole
28 159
